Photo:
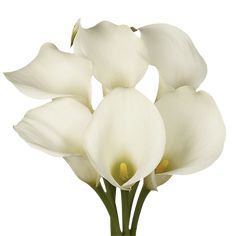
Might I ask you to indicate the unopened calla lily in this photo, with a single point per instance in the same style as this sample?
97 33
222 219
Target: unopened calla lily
127 138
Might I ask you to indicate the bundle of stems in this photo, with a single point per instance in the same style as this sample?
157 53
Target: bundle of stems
108 196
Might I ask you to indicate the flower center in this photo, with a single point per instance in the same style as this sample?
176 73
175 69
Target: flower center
163 166
122 171
124 175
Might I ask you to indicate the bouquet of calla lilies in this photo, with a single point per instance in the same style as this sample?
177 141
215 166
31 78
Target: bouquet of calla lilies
127 139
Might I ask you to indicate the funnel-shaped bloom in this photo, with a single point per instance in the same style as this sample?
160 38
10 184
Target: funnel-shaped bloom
173 53
114 51
195 134
57 128
54 74
125 139
83 169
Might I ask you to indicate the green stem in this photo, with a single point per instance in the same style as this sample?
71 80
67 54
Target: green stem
111 195
132 195
111 191
143 194
125 212
111 208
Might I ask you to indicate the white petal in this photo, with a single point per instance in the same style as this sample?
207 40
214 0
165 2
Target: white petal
173 53
105 90
163 88
114 51
54 74
126 129
83 169
152 181
56 127
195 131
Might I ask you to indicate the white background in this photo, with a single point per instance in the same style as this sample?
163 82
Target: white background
40 195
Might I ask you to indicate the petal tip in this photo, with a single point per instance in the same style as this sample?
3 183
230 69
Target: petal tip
8 75
74 32
17 127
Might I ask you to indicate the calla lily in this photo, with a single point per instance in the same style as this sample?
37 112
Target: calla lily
126 137
173 53
57 128
83 169
115 52
54 74
195 134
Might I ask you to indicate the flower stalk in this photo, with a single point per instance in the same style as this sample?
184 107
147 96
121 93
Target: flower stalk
125 212
142 197
111 208
108 198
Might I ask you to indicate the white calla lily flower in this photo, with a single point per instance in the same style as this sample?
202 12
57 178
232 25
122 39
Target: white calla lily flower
56 127
115 52
54 74
83 169
195 134
125 139
173 53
